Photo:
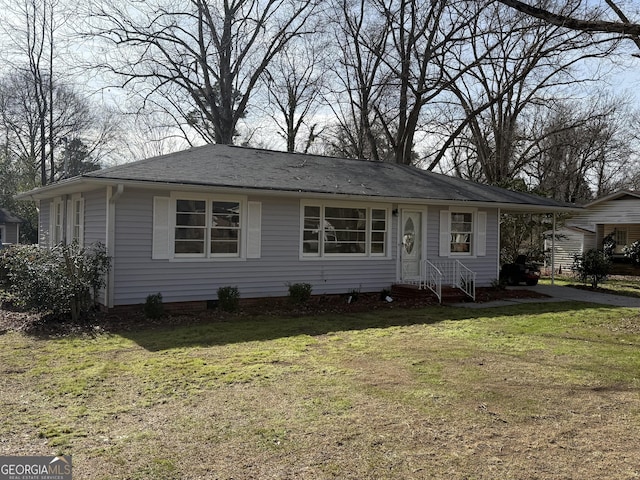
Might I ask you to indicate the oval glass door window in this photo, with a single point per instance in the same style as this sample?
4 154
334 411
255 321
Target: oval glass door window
409 236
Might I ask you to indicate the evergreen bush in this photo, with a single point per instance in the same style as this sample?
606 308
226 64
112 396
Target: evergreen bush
63 280
228 298
592 267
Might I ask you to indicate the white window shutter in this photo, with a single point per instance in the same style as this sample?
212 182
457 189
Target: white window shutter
254 229
160 248
445 233
481 240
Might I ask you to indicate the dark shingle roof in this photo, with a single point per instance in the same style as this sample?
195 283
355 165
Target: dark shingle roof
239 167
7 217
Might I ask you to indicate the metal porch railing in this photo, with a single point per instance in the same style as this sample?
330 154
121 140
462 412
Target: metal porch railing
449 273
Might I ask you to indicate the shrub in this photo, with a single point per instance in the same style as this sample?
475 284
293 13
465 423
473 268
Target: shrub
592 267
228 298
632 252
153 306
62 280
300 292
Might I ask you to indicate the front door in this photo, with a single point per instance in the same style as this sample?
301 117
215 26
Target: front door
411 248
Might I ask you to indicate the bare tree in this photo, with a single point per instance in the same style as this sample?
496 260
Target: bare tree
585 151
499 97
361 44
398 58
72 117
199 60
294 83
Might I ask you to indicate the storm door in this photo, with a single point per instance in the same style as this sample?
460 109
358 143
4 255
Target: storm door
411 247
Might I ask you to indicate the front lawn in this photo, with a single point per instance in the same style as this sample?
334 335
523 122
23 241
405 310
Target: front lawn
616 284
537 391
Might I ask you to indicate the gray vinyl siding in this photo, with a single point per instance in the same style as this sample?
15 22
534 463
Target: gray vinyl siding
11 232
567 244
137 275
486 267
95 216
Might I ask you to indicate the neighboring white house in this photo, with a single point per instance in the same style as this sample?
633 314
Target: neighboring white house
188 223
617 214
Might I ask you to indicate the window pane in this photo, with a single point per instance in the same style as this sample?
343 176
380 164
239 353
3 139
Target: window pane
377 248
221 234
378 231
189 246
189 233
379 214
223 247
190 226
190 219
461 232
311 230
191 206
345 230
378 237
312 212
225 228
379 226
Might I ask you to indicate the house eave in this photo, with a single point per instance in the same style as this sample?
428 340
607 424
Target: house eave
78 184
612 196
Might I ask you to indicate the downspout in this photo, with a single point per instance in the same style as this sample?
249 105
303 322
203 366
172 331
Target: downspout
112 198
499 244
553 251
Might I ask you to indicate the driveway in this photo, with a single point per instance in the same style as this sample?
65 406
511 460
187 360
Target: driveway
560 294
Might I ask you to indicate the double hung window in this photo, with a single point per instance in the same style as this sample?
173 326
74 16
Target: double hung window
461 232
207 228
191 226
341 230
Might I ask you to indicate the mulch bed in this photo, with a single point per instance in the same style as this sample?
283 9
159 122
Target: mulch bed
98 322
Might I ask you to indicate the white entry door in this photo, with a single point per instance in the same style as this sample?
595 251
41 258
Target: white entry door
411 248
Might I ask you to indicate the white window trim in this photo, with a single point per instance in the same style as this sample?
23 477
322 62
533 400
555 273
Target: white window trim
208 199
478 239
322 204
56 230
75 205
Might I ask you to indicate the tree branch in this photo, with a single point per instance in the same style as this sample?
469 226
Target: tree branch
595 26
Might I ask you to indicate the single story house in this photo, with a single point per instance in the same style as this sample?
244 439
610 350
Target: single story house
188 223
9 227
616 215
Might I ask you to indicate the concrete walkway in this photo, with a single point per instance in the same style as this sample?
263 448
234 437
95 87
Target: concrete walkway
559 294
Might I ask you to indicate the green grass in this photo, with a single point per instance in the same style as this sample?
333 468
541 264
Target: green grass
629 287
508 392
